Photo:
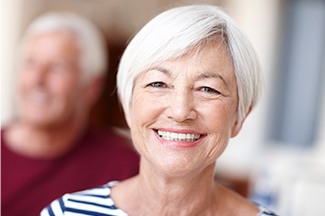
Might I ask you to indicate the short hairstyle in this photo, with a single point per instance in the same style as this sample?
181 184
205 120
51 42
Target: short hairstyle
177 31
89 39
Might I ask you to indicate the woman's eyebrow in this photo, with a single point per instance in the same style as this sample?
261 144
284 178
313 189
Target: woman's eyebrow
201 76
209 75
160 69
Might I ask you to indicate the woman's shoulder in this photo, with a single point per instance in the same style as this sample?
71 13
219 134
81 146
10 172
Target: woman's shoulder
103 191
265 211
94 201
243 205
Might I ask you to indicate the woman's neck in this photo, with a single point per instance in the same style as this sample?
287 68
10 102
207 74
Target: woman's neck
167 195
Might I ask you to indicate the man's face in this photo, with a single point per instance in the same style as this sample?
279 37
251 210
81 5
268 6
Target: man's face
49 83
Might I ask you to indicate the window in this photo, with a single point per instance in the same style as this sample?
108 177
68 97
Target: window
301 78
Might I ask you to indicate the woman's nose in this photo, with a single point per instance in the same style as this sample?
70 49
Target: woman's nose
182 106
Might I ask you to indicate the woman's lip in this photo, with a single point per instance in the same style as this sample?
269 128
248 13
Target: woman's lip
183 131
179 144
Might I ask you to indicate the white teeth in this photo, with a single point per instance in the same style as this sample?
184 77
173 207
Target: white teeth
166 135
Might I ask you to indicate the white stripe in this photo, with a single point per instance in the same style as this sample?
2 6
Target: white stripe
72 214
95 191
56 208
89 207
44 212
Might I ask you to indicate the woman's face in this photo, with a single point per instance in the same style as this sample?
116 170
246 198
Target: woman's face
185 110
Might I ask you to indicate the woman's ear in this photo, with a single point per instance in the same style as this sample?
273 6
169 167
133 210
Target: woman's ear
126 113
239 123
237 127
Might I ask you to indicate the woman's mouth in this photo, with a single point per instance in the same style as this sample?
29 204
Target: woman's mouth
179 137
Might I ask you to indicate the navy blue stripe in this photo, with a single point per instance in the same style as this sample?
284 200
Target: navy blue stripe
85 212
92 203
269 213
95 195
61 204
50 211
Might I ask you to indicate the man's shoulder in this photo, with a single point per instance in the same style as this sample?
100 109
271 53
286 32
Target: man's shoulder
104 142
109 136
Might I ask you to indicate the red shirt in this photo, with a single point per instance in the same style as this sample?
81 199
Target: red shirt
28 185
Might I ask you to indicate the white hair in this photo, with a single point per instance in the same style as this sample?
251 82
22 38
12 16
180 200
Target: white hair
177 31
90 41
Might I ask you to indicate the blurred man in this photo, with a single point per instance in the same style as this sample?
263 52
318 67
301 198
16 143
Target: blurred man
50 149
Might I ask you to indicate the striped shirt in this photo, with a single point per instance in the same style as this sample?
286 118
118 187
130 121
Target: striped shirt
96 202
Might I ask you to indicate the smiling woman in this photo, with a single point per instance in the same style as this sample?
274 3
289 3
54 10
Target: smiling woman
180 99
186 81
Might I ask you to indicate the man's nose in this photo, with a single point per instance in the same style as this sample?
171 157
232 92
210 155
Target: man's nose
38 74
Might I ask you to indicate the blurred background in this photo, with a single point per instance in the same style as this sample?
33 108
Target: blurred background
279 156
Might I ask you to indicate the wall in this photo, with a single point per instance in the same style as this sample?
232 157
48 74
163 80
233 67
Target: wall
10 23
260 20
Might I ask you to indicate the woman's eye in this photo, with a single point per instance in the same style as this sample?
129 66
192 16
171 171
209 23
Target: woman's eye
209 90
157 85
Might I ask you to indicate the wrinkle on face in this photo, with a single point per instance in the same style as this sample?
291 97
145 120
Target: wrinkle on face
181 102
